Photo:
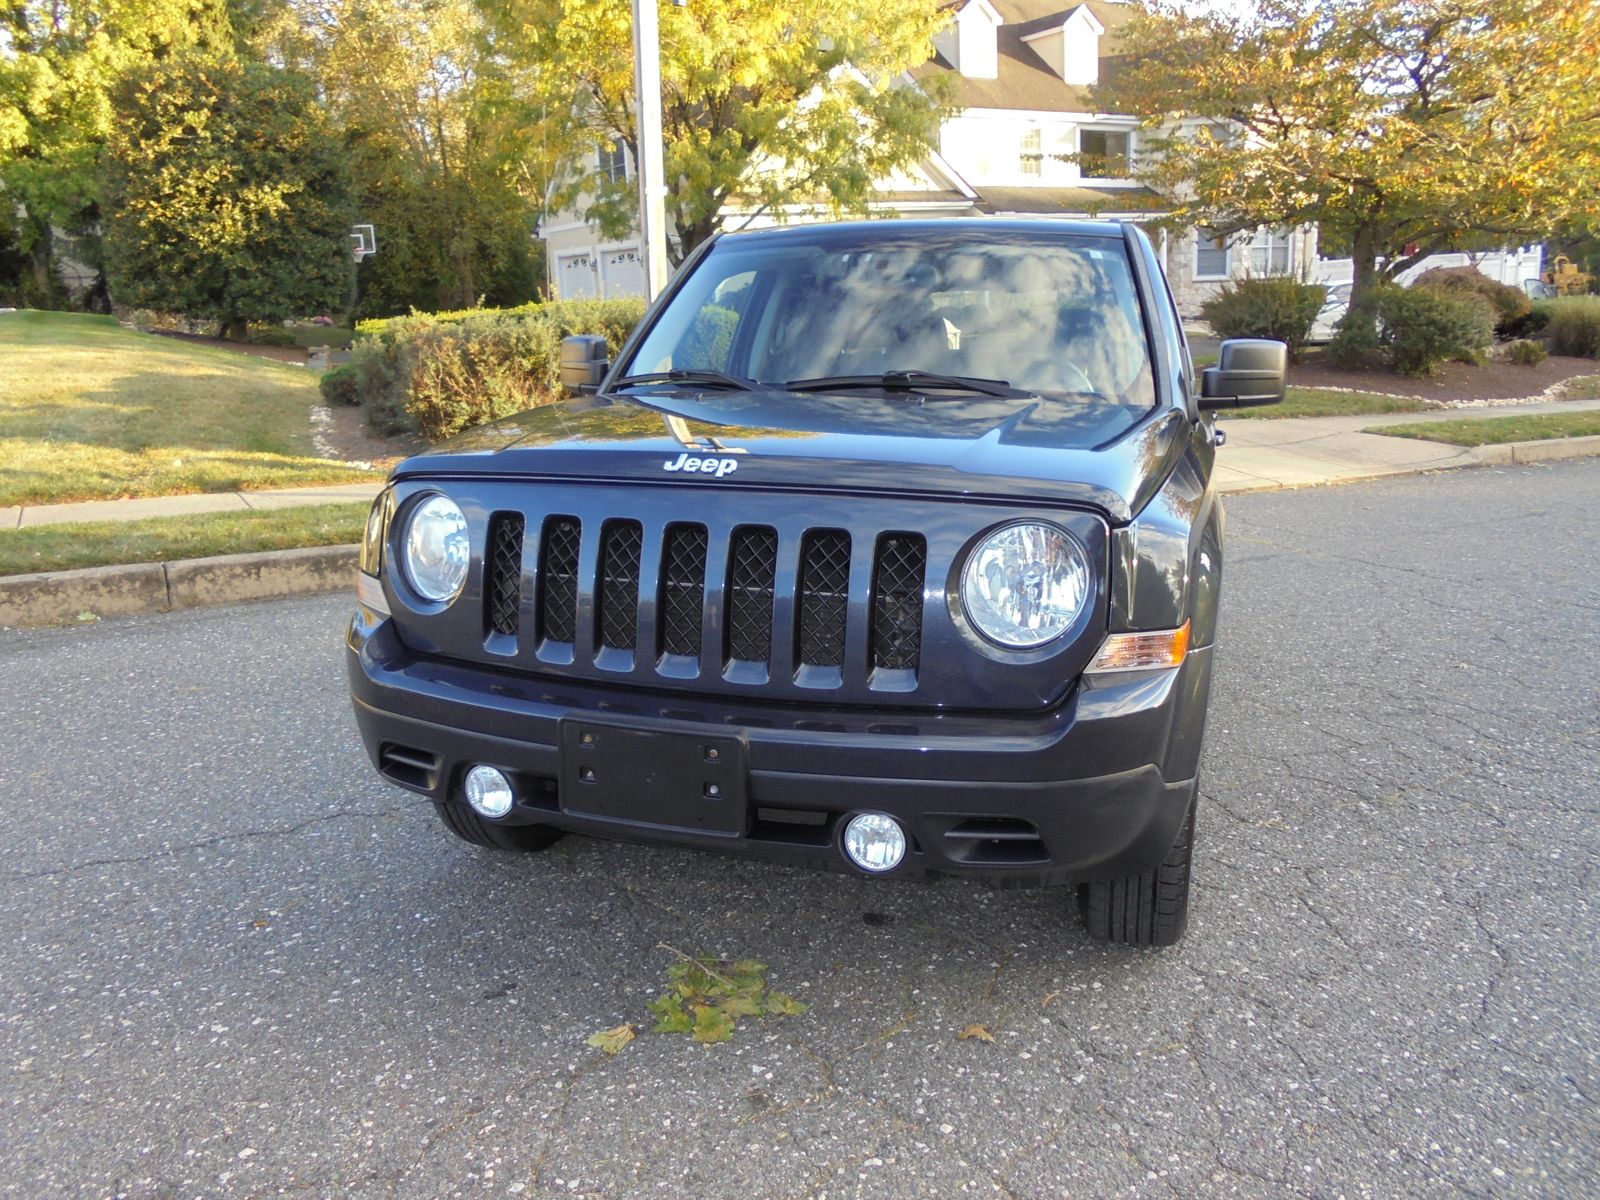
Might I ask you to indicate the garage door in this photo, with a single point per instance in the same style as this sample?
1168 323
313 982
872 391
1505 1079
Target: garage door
623 273
575 277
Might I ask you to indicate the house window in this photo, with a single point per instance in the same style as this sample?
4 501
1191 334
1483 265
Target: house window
614 162
1032 152
1269 252
1105 154
1210 254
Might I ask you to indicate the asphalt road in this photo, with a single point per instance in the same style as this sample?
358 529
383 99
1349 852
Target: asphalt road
234 963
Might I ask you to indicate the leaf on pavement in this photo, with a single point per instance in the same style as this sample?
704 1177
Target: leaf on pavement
712 1025
781 1004
612 1040
976 1033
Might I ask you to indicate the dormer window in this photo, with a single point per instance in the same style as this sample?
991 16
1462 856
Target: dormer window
614 162
969 43
1105 153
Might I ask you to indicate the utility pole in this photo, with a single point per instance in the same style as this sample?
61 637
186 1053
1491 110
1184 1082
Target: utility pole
652 167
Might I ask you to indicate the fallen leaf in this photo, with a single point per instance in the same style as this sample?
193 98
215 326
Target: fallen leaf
978 1033
781 1004
1051 999
87 616
612 1040
712 1025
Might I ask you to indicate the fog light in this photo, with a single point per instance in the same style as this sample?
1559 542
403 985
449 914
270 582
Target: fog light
874 842
489 792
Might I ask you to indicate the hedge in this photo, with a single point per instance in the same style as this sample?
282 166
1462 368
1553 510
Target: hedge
1512 305
1413 330
441 373
1281 308
1573 325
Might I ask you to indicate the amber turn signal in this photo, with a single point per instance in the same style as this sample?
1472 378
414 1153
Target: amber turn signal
1142 651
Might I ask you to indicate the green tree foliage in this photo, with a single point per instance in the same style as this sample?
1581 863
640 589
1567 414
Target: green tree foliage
435 163
226 194
769 104
59 63
1402 127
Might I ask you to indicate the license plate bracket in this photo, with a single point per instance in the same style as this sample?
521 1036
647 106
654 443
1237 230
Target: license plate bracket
673 778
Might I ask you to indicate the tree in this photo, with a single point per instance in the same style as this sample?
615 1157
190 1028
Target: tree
767 103
59 62
433 165
1401 127
226 194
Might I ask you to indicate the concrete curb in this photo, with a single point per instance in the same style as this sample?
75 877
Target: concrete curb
63 597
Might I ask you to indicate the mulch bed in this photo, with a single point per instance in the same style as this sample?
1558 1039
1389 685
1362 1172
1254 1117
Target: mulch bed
1455 381
289 354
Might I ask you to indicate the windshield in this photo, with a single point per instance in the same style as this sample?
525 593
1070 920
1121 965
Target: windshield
1054 314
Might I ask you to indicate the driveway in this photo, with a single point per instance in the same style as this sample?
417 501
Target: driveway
235 964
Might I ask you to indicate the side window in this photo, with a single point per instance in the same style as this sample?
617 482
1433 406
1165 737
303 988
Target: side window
1211 257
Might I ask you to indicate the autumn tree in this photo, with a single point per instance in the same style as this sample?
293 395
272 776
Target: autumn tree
1400 127
435 162
226 195
766 104
59 64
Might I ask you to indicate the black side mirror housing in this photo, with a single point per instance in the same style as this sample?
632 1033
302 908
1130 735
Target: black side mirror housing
1249 372
583 362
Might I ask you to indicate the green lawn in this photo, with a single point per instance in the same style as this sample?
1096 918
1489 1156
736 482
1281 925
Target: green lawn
161 539
89 411
1536 427
1324 402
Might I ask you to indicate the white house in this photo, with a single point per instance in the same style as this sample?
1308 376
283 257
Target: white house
1021 72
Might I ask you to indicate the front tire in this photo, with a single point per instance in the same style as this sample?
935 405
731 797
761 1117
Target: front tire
470 827
1151 909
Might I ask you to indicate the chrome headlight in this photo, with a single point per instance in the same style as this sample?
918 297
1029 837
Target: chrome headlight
436 549
1025 584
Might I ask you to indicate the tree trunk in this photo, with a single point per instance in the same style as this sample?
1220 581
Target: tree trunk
1364 277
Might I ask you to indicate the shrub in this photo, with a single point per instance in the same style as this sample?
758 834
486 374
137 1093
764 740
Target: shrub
440 375
1532 325
1511 305
1279 307
1413 330
1528 354
1574 325
271 335
341 385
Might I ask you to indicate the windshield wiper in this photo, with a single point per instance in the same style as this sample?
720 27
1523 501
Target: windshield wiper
716 378
909 381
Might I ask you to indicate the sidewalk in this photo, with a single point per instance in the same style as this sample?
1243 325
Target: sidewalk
1305 451
33 515
1259 454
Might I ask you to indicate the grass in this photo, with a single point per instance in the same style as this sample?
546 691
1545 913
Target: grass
161 539
1491 431
1325 402
92 411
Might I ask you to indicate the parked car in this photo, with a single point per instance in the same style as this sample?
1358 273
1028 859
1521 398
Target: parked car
889 547
1333 310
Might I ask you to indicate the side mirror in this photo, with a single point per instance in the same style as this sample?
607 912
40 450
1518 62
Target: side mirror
583 362
1249 372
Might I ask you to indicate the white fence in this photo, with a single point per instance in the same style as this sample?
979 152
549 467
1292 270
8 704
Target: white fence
1504 266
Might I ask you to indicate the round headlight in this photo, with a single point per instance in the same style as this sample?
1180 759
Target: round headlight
1025 584
437 551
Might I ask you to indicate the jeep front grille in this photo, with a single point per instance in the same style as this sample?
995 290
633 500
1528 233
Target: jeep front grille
685 582
503 596
558 579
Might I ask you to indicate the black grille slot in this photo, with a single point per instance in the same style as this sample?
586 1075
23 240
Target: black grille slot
683 589
558 579
752 566
1001 841
503 589
897 601
824 597
621 543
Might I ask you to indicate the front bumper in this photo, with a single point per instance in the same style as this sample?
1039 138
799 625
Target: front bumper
1095 788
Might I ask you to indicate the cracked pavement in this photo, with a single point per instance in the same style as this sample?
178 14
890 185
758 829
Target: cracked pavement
235 963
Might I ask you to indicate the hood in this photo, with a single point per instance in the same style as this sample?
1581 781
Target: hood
1107 457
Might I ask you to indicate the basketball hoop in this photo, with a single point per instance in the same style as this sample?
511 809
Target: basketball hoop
363 242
